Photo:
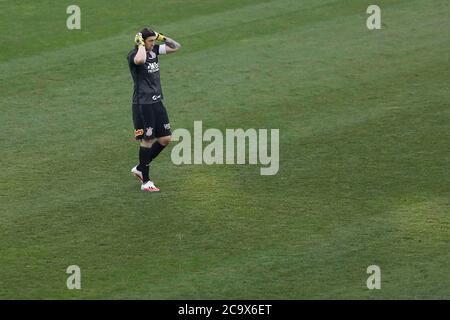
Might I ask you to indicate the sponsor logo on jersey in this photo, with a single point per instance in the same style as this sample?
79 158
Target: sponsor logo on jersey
153 67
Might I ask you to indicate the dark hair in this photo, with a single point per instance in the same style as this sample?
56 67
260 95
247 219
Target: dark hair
146 32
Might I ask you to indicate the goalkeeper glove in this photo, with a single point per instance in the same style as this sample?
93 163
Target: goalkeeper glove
138 40
160 37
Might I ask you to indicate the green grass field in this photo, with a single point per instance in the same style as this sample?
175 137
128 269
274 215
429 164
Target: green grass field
364 152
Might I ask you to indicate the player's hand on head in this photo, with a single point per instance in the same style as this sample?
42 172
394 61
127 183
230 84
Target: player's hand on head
160 37
138 40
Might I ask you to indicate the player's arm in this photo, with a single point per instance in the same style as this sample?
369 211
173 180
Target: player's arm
141 54
171 45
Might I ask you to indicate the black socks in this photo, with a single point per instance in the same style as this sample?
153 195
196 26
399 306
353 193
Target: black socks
144 161
146 155
156 149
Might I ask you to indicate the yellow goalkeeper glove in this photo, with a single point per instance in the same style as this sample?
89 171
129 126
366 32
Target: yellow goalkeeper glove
160 37
138 40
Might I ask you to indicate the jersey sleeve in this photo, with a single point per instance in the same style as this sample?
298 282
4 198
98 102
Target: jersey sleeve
162 49
159 49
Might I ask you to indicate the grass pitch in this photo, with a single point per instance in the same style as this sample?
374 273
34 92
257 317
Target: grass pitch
364 131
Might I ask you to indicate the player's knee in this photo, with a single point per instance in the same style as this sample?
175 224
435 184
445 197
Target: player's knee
165 140
146 143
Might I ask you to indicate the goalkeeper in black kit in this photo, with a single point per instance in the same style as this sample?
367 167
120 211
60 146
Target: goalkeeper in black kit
150 119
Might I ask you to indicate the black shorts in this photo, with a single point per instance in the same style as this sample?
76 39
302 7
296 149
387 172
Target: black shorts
150 121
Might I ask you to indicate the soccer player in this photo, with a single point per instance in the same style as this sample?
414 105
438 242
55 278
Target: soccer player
150 119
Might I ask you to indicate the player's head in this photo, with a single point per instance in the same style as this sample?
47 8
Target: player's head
149 37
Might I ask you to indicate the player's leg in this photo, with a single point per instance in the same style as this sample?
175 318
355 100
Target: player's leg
142 170
158 145
143 120
165 140
162 130
145 157
157 136
138 124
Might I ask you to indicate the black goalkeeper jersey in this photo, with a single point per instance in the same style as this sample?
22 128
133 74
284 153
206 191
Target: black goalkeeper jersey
147 84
